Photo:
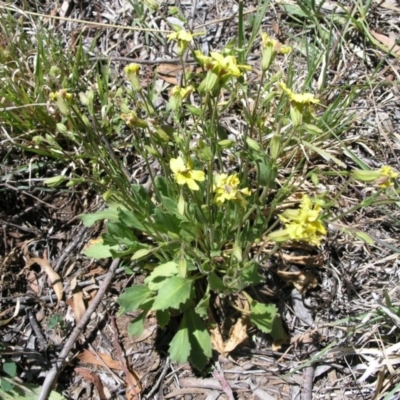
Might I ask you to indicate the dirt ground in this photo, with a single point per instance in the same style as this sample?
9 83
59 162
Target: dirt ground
342 340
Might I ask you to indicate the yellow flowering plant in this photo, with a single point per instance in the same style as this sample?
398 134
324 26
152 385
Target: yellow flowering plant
204 214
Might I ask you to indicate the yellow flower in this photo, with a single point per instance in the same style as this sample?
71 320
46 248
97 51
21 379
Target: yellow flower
183 38
224 67
131 119
226 188
387 174
303 224
132 69
382 177
184 173
303 98
181 92
132 73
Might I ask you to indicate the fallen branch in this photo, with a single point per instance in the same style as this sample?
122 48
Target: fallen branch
51 378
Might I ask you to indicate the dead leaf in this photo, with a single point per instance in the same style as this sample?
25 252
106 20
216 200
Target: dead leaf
32 281
302 281
133 386
389 5
99 359
171 72
53 276
96 271
90 376
390 43
78 305
237 335
16 311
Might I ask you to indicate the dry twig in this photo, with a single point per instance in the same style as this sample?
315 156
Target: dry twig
52 376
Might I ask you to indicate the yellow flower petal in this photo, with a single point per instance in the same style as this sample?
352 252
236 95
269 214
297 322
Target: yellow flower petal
177 165
192 184
198 175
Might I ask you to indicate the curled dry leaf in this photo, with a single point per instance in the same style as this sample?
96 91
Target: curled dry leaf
78 305
302 281
16 311
54 278
237 335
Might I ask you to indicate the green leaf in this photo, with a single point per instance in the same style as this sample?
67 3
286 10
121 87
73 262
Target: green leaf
186 231
155 280
24 391
364 237
133 298
253 144
250 274
143 199
278 332
200 340
194 110
90 219
263 315
324 154
267 173
174 292
136 327
10 368
99 250
55 180
162 186
163 317
6 386
179 347
120 233
129 219
172 207
202 306
54 320
141 253
166 222
216 282
294 10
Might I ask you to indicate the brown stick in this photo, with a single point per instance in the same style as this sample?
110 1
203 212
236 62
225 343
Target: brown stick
51 378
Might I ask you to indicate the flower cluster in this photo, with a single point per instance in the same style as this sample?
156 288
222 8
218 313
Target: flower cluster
184 173
132 120
183 38
178 94
270 48
219 68
300 103
387 176
302 224
226 188
382 177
